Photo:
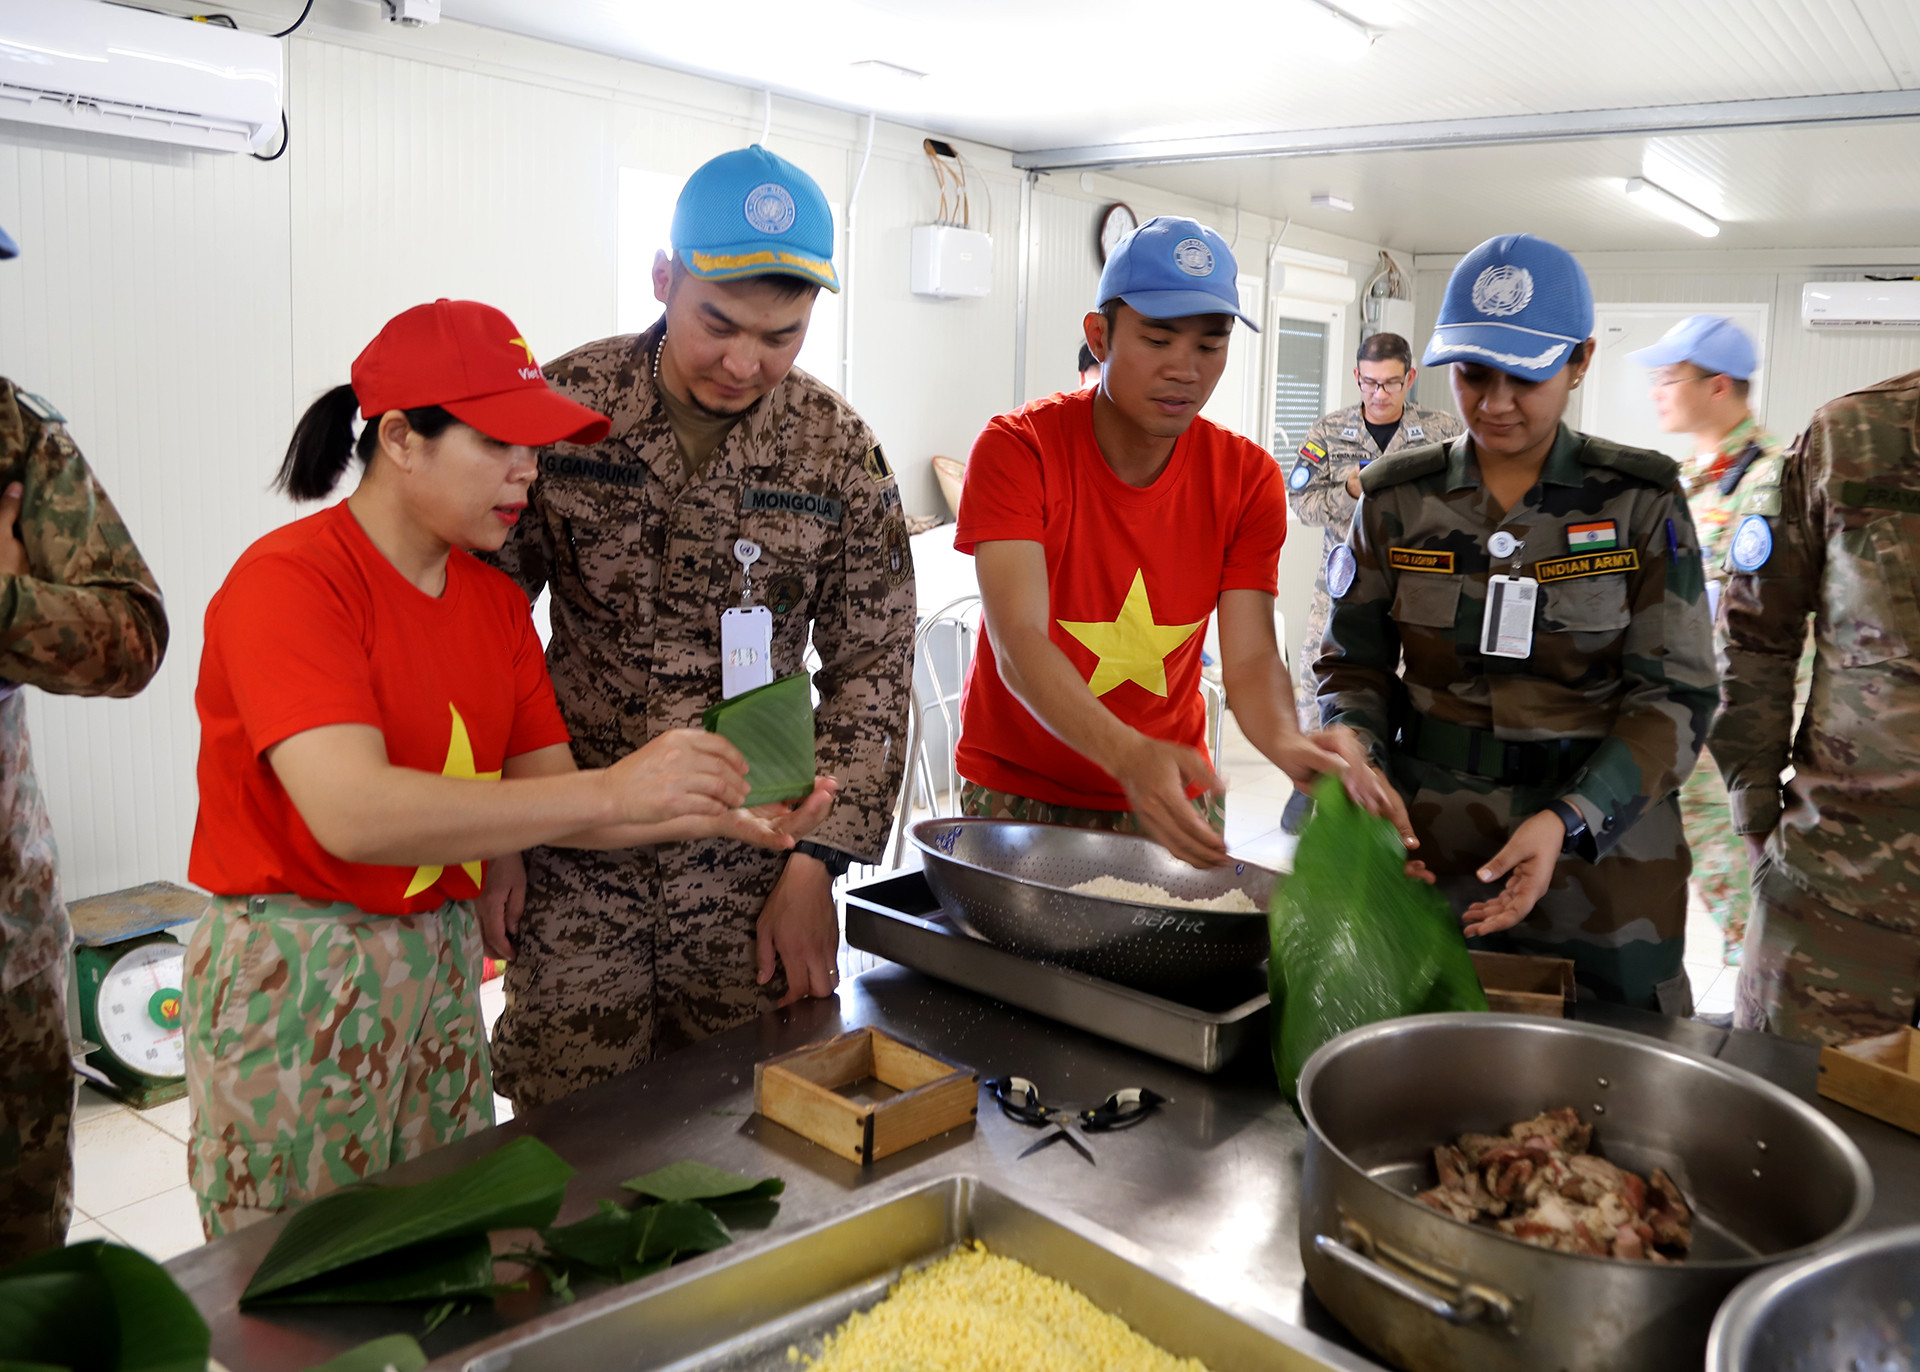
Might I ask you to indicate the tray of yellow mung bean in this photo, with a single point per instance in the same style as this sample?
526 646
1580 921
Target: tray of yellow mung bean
954 1275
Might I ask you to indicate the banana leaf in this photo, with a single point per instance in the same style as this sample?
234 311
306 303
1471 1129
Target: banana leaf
695 1181
515 1186
395 1353
98 1307
619 1245
772 726
1356 940
441 1269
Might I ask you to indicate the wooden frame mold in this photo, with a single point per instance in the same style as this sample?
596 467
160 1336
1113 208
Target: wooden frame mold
1521 984
1877 1076
799 1090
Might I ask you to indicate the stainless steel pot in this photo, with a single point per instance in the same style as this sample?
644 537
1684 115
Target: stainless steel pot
1769 1180
1854 1307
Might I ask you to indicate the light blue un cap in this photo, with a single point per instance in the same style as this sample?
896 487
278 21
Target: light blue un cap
1516 303
1712 342
753 213
1173 268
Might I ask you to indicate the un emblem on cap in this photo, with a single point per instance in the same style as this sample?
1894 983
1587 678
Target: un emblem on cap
769 207
1502 290
1193 256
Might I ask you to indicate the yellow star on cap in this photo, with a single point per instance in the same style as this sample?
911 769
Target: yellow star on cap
459 764
522 343
1132 647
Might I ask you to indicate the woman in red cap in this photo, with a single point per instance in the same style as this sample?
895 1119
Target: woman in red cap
361 674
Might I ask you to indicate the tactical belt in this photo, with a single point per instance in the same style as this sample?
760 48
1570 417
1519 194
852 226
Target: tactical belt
1481 753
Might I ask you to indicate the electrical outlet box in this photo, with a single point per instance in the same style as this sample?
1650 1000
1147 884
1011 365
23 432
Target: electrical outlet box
1396 316
952 263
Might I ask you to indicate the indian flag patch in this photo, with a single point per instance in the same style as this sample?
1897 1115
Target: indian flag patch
1597 537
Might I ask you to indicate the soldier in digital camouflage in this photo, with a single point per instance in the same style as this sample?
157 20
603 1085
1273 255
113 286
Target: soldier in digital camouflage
729 478
81 616
1520 633
1324 484
1702 370
1833 948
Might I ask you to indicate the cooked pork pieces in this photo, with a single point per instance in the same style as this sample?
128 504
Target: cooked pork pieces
1538 1183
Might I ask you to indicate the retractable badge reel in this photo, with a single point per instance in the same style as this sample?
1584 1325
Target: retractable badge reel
746 632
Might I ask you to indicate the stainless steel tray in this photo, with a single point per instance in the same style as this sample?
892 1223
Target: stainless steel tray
737 1311
898 918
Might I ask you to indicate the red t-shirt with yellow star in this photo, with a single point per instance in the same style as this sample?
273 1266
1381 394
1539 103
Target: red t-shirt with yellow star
314 626
1132 574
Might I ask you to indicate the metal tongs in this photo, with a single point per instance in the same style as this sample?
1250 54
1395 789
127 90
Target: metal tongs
1020 1100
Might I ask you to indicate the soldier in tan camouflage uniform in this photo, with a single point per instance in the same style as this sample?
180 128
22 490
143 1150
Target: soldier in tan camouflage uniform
1833 949
1519 632
1701 373
1324 482
624 955
81 616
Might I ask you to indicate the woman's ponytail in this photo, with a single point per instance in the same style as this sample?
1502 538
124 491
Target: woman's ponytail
322 446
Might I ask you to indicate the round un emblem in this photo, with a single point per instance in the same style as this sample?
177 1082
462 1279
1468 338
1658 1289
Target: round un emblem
1193 256
1503 290
769 208
1752 544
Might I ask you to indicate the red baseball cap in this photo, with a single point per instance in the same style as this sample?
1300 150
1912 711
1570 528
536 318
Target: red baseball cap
468 359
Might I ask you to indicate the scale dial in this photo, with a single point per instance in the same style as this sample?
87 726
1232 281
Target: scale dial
1116 222
138 1010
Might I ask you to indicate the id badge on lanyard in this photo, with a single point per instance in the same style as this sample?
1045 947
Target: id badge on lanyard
746 632
1507 629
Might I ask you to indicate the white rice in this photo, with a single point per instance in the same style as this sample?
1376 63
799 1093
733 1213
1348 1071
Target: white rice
1235 902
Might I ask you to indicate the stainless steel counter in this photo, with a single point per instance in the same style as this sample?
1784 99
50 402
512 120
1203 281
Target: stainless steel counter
1210 1186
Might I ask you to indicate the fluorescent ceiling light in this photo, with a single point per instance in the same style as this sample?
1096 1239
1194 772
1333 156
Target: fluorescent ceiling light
1670 206
1331 202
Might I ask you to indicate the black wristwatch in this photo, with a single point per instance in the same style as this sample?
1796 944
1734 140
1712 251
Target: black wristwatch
1576 827
835 861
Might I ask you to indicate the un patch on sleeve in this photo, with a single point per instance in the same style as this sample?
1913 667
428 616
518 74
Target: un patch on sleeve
40 408
1340 571
1752 544
1302 473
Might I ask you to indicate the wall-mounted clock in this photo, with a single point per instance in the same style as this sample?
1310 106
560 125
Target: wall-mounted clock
1116 222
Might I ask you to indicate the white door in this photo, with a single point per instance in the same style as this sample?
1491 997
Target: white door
1235 402
1618 390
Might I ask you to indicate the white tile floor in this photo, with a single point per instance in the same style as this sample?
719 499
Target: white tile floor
130 1181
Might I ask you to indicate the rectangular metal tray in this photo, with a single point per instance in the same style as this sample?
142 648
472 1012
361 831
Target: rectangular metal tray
743 1314
897 918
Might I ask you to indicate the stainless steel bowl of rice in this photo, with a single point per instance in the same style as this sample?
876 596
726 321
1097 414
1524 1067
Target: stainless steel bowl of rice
1115 906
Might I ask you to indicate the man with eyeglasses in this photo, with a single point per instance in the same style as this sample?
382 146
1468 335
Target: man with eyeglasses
1325 485
1701 370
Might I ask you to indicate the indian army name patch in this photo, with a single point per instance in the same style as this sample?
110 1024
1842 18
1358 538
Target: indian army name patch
1587 564
760 500
1419 560
593 469
1871 495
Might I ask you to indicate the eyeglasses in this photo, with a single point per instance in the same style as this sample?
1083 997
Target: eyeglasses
1369 386
1683 380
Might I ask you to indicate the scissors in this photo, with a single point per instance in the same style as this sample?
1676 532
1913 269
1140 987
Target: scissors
1020 1100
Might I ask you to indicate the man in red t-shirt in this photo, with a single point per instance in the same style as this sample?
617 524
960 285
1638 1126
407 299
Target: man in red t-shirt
1106 526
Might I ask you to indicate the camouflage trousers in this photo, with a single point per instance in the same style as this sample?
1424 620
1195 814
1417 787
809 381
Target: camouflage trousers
324 1045
1305 688
36 1116
1814 974
982 803
1720 871
1621 920
624 956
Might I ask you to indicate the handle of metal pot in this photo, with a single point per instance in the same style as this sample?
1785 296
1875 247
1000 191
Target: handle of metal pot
1470 1304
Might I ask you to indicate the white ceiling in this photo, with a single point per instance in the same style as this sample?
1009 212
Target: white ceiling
1037 74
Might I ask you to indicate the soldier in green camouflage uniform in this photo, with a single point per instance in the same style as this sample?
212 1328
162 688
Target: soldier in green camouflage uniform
621 956
82 616
1833 950
1557 758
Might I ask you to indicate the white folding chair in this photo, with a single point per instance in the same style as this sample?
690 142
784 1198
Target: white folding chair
943 649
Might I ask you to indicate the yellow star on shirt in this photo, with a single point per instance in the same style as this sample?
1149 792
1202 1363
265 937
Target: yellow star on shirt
1132 647
459 764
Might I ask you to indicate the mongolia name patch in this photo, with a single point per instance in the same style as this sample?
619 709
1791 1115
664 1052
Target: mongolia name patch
1419 560
759 500
1587 564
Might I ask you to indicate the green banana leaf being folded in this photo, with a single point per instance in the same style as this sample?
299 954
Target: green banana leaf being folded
97 1307
772 726
1355 939
408 1243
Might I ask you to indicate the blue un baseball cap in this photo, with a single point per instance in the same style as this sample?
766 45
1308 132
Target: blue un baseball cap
751 213
1171 268
1515 303
8 248
1712 342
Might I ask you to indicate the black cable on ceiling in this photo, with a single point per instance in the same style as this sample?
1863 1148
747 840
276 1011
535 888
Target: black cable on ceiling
305 10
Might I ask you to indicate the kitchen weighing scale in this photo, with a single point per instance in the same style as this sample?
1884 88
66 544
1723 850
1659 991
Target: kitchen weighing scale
128 974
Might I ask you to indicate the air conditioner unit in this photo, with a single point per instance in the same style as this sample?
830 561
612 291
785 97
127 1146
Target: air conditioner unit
83 64
1860 304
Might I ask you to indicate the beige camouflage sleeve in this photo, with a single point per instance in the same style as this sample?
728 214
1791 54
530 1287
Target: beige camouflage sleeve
1320 498
863 631
1358 671
1759 635
87 617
